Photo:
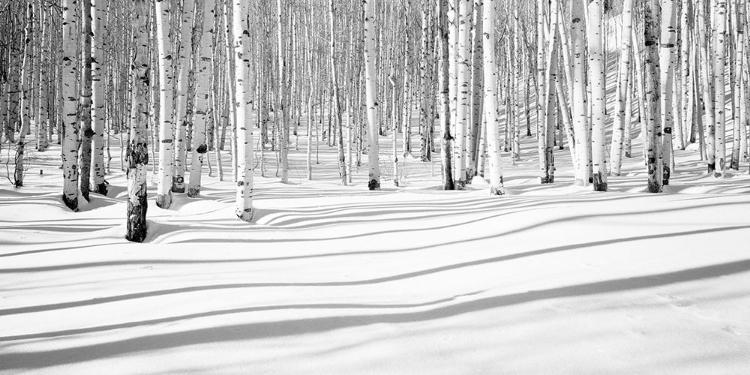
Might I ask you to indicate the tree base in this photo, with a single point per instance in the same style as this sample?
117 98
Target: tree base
667 174
178 184
163 201
599 184
497 190
102 188
72 204
373 185
245 215
460 185
137 227
194 192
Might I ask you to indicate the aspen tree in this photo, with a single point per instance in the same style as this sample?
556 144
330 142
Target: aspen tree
444 82
43 92
336 100
477 96
583 145
706 83
453 20
137 153
69 96
463 109
687 78
623 74
202 92
185 54
98 25
719 63
653 136
243 106
739 120
85 97
547 124
598 97
406 122
424 82
371 92
26 74
490 99
166 133
666 63
280 112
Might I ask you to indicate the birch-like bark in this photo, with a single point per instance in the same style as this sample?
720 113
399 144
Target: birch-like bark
166 134
739 120
69 96
719 63
371 83
653 136
26 74
336 99
463 109
598 96
583 145
666 63
687 79
202 92
185 56
490 100
243 106
477 96
445 107
281 110
623 73
98 113
137 154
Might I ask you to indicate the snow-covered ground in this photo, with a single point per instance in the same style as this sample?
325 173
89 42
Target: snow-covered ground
407 280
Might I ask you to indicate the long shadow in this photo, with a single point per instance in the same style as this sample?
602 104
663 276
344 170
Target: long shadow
316 306
379 280
264 330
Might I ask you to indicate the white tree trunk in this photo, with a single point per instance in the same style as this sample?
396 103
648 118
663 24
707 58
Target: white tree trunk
719 59
463 109
598 96
243 107
667 57
166 134
653 140
186 52
137 155
99 25
490 100
371 83
202 92
70 105
622 88
583 145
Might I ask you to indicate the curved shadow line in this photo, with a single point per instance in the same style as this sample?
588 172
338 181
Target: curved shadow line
403 276
264 330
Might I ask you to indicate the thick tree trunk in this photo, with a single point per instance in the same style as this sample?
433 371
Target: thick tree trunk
445 107
202 92
70 105
243 106
463 109
166 134
719 63
653 136
580 123
137 154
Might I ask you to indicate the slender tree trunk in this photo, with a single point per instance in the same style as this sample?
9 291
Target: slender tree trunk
202 92
185 54
666 63
137 155
719 63
583 145
653 137
98 114
336 99
70 105
445 107
490 100
372 89
622 86
243 106
166 163
280 113
463 109
598 96
739 120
